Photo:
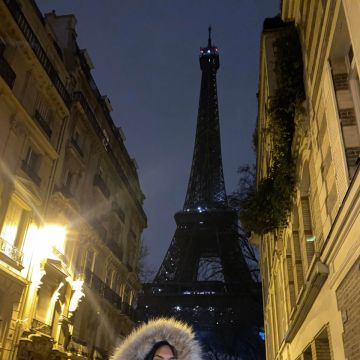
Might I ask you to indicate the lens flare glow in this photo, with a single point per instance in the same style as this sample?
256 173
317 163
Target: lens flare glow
46 242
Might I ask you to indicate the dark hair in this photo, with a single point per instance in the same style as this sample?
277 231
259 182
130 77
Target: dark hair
158 345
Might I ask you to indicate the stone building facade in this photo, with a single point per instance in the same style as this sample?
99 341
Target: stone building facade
311 268
71 211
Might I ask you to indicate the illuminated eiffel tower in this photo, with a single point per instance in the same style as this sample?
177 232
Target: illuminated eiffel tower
204 278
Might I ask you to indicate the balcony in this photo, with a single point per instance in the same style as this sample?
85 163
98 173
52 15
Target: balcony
112 297
101 184
129 311
77 147
38 50
41 327
7 73
30 172
102 289
11 252
43 124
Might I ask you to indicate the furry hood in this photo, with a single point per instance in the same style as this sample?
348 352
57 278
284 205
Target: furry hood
141 341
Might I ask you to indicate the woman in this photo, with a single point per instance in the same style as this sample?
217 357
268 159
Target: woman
160 339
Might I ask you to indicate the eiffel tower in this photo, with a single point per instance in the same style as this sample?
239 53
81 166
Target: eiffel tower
204 278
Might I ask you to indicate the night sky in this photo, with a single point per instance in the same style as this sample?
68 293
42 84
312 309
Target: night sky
145 54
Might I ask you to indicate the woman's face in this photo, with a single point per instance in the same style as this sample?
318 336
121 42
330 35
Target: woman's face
164 353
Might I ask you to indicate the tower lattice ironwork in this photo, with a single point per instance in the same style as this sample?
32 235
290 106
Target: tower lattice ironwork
204 278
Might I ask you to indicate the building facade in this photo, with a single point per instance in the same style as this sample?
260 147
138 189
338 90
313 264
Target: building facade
311 267
71 210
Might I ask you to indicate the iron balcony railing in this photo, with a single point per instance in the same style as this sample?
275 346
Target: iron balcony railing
11 251
43 123
7 73
38 50
129 311
78 96
102 289
101 184
30 172
77 147
41 327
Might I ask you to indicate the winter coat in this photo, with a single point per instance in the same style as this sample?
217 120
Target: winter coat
142 340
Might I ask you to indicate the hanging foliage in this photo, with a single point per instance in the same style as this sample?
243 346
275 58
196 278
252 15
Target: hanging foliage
266 207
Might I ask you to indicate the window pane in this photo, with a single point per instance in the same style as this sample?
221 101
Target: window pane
12 222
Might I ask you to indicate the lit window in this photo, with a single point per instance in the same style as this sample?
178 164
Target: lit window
14 224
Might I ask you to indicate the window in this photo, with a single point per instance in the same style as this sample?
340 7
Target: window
77 142
69 183
15 223
32 159
76 136
297 263
89 260
109 277
42 115
69 179
31 164
307 227
13 231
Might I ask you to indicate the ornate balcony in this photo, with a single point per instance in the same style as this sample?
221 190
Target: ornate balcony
101 184
129 311
11 251
7 72
102 289
112 297
30 172
38 50
41 327
43 124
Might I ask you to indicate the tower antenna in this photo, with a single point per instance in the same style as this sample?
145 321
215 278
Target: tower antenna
209 39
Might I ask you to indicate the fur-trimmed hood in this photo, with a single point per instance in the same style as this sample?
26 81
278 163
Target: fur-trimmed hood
141 341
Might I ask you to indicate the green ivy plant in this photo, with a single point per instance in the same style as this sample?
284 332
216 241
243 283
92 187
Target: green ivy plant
265 207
